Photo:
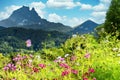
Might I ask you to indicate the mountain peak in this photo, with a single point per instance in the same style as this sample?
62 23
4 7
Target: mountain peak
24 8
33 9
86 27
29 18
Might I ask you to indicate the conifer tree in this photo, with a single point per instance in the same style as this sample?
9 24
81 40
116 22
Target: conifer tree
112 22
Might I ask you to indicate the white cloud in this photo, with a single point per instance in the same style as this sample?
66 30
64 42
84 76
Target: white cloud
54 18
67 4
8 11
105 1
100 7
84 6
98 14
39 6
75 21
65 20
99 11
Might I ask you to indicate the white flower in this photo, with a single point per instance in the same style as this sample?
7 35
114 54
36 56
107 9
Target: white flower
74 35
118 55
38 57
115 49
78 48
83 36
106 41
66 55
30 61
77 64
58 57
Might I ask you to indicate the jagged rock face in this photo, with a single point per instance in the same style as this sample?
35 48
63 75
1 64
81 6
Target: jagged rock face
22 16
26 18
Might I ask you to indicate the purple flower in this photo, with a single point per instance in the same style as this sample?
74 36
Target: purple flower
59 59
74 71
6 68
64 65
94 79
66 72
91 70
28 43
10 66
42 65
87 55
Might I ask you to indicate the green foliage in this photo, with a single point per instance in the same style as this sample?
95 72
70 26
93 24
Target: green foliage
78 58
15 39
112 23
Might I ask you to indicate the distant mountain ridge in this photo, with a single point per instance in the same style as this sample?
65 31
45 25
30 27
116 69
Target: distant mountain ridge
86 27
14 35
1 27
26 18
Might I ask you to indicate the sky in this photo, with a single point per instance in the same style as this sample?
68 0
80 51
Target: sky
68 12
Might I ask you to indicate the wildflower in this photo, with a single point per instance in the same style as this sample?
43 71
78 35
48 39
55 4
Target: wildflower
42 65
118 55
85 78
115 49
35 69
66 55
10 66
74 71
30 61
94 79
59 59
74 35
86 74
6 68
64 65
28 43
31 56
73 58
66 72
14 79
38 57
91 70
78 48
77 64
87 55
24 57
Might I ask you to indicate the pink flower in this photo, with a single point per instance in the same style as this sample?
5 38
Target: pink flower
85 78
66 72
31 56
59 59
73 58
74 71
24 57
85 74
6 68
35 69
28 43
91 70
10 66
94 79
42 65
87 55
64 65
14 79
